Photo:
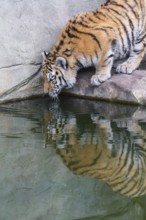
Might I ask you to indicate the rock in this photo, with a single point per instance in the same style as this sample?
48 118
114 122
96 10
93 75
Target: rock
27 29
125 88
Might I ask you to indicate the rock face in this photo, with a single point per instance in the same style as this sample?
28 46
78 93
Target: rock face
119 88
27 29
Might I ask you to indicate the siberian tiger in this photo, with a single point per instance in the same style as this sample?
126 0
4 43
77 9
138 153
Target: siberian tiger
119 159
92 144
114 31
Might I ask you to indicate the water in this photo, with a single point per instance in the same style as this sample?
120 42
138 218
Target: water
72 159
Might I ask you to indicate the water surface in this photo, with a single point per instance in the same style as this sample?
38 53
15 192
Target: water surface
72 159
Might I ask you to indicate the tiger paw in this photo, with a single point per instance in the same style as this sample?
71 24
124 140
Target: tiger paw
125 68
96 80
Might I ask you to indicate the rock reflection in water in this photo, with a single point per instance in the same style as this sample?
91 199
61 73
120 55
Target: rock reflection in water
105 141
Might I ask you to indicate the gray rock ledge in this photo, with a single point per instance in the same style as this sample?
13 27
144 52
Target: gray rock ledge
122 88
27 29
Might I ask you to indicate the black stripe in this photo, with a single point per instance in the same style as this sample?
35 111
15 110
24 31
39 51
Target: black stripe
50 61
123 25
141 151
70 42
52 78
123 186
119 5
141 5
89 166
107 2
60 45
120 156
136 2
131 181
70 35
121 160
60 79
131 29
64 79
104 29
49 69
116 11
80 22
141 39
137 52
83 25
90 19
131 8
93 27
126 158
110 56
83 19
79 64
89 34
67 52
97 15
120 35
129 20
132 161
52 55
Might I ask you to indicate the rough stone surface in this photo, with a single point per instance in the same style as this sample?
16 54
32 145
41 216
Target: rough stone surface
27 29
119 88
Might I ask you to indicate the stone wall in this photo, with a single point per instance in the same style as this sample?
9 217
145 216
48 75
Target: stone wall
27 29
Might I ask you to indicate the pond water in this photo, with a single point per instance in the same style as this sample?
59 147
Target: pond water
72 159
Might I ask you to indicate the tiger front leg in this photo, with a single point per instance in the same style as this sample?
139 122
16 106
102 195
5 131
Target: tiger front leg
103 72
133 62
99 78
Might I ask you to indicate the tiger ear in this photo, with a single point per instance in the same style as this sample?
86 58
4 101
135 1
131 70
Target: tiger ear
61 62
44 55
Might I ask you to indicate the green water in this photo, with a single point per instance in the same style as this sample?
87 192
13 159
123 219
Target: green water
72 159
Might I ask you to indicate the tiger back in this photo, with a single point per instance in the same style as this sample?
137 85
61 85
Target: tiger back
114 31
121 166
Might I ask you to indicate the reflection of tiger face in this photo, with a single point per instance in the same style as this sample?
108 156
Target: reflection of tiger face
114 31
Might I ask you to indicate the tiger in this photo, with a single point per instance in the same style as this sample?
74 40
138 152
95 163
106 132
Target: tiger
112 151
120 166
114 31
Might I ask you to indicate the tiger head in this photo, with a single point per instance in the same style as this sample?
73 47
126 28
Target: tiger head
55 75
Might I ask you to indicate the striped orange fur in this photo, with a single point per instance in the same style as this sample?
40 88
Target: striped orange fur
114 31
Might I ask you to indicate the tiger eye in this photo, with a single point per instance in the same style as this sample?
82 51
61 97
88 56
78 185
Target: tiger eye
56 73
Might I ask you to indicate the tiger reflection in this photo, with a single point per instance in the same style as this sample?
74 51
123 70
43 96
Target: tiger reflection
115 151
